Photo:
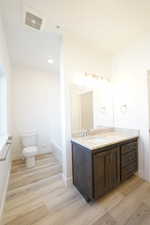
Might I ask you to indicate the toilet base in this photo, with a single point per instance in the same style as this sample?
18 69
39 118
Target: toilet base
30 161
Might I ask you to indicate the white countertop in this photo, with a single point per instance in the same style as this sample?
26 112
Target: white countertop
103 137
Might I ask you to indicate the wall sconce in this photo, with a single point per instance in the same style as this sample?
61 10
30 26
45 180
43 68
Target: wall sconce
123 108
103 109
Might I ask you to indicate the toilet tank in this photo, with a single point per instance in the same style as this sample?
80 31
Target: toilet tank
29 139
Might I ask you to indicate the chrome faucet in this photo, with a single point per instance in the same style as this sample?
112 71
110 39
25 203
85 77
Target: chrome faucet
85 132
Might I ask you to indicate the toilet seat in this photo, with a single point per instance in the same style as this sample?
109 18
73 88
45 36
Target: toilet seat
30 151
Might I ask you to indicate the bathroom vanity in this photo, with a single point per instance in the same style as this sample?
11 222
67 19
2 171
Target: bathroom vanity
102 161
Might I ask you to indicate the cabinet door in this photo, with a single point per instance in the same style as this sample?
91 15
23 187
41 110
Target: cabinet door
106 171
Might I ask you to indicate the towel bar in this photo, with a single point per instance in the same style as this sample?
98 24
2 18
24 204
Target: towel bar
4 153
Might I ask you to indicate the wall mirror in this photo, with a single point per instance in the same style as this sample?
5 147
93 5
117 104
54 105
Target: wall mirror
91 107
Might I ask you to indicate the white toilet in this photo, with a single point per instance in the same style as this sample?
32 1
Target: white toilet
30 150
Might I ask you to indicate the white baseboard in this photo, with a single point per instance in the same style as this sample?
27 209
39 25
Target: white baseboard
57 151
67 180
44 149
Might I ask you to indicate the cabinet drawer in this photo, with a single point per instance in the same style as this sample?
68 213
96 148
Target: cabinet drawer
128 170
128 158
129 147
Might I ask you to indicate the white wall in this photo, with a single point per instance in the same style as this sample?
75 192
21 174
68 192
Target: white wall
3 102
5 63
130 87
78 57
5 166
35 96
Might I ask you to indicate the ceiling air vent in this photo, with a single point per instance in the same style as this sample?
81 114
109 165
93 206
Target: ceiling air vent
33 21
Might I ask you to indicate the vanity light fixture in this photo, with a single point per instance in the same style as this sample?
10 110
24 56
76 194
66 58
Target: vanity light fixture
95 76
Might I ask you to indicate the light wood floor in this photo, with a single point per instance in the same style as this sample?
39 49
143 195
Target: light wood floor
38 196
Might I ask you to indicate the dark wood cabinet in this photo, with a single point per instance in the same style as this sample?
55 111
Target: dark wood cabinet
96 172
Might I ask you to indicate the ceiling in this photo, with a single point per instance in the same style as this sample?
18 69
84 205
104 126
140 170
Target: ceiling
108 25
29 47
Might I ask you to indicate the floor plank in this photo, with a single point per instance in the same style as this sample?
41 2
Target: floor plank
105 220
141 216
37 196
30 217
124 210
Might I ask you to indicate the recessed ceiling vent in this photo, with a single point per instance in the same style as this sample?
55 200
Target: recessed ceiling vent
33 21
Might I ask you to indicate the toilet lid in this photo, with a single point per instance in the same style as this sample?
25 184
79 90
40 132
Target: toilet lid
30 151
